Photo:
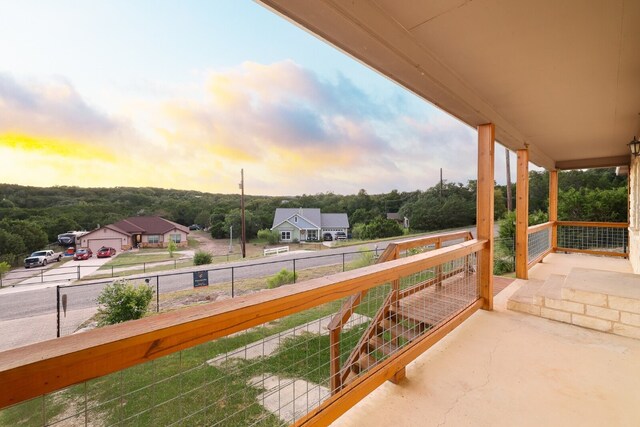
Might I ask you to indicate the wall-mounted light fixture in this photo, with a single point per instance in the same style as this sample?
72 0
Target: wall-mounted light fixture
634 146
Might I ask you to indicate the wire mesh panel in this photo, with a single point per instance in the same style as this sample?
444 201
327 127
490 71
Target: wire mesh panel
606 239
271 374
402 311
539 243
268 375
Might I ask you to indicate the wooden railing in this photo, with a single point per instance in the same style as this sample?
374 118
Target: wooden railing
539 251
52 365
593 238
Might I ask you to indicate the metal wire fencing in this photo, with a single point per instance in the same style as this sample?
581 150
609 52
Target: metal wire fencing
593 238
268 375
539 243
75 306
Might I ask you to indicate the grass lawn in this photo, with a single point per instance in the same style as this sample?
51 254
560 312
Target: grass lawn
133 258
183 386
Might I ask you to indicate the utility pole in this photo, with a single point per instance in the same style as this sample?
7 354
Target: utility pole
244 236
441 183
509 201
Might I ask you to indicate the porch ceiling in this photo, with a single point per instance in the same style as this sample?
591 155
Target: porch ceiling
560 76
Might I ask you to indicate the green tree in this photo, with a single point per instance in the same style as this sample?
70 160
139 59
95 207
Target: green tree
171 247
379 228
11 247
32 234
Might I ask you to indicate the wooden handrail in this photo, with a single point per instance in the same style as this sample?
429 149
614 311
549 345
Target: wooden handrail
48 366
593 224
539 227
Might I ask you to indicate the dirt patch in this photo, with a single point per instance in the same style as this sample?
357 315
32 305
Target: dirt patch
219 247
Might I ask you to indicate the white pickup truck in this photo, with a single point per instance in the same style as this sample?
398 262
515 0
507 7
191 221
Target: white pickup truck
41 258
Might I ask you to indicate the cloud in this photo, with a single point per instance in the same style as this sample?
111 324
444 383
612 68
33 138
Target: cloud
292 130
307 134
49 108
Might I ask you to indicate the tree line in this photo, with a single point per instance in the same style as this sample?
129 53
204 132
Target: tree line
31 217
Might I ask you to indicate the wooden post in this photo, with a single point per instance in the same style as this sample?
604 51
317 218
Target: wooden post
553 207
522 215
334 359
484 210
438 268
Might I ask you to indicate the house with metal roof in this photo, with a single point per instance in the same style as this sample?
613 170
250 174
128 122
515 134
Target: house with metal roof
308 224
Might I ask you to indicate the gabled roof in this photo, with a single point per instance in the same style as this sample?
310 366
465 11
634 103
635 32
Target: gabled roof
335 220
312 215
148 225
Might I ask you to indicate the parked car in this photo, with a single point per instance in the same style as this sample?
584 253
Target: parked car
341 235
195 227
41 258
105 252
327 237
83 254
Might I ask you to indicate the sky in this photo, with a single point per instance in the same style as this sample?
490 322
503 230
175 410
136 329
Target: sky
185 94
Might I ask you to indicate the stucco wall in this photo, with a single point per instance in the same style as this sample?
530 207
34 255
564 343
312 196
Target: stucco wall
634 214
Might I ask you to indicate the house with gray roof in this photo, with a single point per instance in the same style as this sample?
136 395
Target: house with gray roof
308 224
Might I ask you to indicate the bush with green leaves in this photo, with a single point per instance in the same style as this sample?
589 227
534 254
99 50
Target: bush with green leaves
202 257
271 237
4 267
283 277
121 301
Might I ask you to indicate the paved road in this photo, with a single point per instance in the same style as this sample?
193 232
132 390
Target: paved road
40 299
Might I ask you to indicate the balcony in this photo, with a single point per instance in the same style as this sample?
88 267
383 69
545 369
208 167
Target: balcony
508 368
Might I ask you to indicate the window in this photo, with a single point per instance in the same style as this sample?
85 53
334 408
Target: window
153 239
312 234
295 218
285 235
175 238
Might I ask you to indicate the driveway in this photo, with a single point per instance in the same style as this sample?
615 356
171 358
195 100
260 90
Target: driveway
71 270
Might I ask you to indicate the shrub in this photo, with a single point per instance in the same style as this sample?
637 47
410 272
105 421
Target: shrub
172 247
202 257
284 277
366 258
4 267
122 301
271 237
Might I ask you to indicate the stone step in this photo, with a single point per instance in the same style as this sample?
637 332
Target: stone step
605 301
524 299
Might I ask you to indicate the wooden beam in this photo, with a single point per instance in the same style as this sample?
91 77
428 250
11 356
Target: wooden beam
484 209
599 162
553 207
593 224
522 214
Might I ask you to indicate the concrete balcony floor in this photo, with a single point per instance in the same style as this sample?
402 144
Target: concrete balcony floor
505 368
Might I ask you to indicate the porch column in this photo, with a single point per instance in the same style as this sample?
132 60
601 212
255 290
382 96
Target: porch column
553 207
484 210
522 215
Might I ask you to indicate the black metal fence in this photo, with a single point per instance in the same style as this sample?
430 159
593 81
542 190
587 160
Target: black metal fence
70 273
75 304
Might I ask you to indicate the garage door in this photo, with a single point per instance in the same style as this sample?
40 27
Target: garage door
95 244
